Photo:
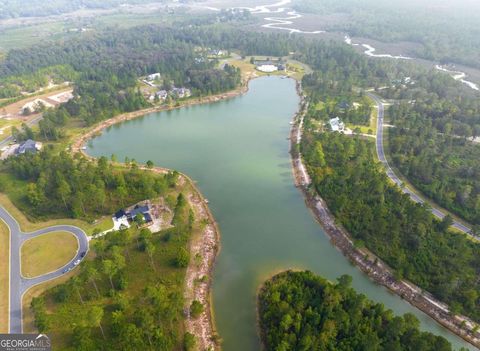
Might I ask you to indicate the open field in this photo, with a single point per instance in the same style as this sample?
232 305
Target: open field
371 129
47 253
22 37
4 272
28 31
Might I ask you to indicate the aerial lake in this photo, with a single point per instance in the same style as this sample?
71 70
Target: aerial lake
238 153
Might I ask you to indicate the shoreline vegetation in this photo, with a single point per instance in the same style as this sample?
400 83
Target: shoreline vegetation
328 313
204 327
363 259
198 277
79 143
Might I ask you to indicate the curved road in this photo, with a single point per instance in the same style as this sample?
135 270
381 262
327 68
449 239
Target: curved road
19 284
391 174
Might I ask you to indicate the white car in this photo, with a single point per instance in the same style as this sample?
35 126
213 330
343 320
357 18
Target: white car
76 263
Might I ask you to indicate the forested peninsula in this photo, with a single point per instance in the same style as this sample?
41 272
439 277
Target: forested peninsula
303 311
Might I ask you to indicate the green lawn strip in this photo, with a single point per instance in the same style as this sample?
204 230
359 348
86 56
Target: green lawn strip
4 273
363 129
373 121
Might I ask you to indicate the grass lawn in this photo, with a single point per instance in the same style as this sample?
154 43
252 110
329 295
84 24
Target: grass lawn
47 253
373 119
370 129
295 69
245 66
4 282
319 106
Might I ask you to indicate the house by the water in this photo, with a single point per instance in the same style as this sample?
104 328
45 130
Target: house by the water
125 217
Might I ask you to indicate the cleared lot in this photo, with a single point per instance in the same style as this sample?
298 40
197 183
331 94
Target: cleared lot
47 253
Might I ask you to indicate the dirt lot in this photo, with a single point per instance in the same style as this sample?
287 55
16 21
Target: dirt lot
11 115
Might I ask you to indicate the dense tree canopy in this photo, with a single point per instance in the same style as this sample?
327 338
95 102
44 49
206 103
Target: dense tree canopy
128 297
59 185
431 143
378 215
302 311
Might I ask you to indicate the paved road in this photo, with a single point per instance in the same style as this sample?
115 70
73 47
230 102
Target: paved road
391 174
18 284
30 123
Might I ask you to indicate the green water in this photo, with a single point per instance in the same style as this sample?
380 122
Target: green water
237 151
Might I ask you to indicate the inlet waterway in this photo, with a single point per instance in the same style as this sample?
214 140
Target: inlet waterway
238 153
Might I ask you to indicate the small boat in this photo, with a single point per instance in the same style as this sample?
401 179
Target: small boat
84 147
291 123
206 201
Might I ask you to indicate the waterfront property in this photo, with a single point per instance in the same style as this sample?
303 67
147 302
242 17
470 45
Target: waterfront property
270 66
181 92
177 93
238 152
123 218
161 94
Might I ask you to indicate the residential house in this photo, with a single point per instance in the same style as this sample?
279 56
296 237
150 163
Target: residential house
138 209
153 76
162 94
343 105
123 218
336 125
181 92
120 220
28 146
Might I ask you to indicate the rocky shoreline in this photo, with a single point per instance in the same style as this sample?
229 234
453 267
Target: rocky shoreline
366 261
199 273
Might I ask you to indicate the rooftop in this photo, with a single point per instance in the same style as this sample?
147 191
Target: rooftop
27 146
